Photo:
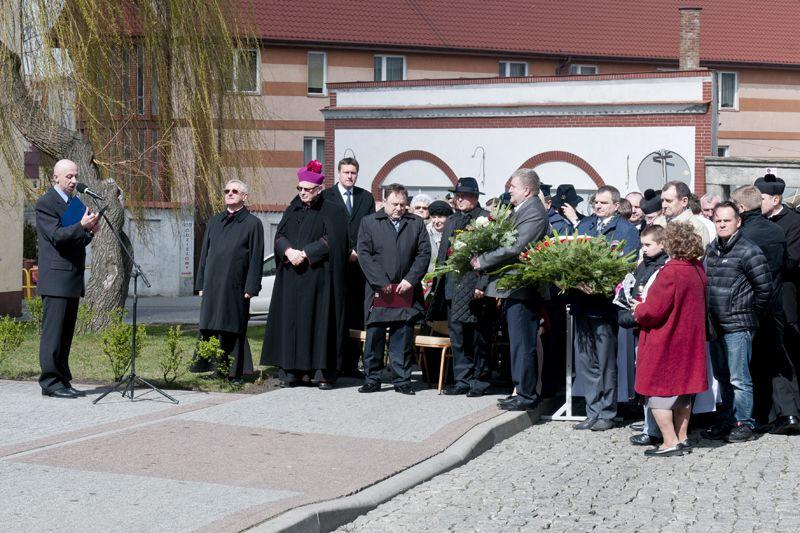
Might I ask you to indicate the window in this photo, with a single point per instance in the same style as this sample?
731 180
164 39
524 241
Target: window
583 69
510 69
728 90
317 72
314 149
245 70
390 68
139 79
723 151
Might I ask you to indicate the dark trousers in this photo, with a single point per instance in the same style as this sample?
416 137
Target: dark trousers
58 326
354 314
236 349
401 347
470 346
596 362
775 389
522 317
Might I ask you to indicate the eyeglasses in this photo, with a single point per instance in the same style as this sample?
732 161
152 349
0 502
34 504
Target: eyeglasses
232 191
420 208
306 189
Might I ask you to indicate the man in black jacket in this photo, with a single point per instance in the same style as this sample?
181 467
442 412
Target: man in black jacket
739 289
357 203
773 208
394 251
62 254
469 312
776 395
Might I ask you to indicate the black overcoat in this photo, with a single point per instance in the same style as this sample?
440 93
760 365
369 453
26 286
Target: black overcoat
62 249
230 266
389 256
305 325
789 220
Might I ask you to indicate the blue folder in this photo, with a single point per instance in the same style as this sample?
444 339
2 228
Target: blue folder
74 212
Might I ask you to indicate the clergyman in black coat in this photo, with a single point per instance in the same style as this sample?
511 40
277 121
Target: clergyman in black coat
356 203
469 311
305 326
776 397
394 251
228 275
62 256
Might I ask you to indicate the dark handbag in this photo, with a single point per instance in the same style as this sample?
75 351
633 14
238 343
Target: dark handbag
711 327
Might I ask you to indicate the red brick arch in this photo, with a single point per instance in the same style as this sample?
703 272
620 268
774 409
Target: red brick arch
410 155
564 157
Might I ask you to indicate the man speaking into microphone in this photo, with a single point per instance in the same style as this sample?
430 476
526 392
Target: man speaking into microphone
64 227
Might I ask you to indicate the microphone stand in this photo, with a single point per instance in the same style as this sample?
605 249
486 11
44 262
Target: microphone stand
132 378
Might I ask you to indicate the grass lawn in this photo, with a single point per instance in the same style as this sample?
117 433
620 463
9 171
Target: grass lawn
90 365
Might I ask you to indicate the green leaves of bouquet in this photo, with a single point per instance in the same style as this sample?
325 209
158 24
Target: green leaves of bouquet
481 235
592 265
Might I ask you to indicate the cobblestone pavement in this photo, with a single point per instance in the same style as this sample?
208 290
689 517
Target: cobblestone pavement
551 477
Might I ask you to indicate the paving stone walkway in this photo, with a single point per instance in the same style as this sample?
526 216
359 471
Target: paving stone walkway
553 478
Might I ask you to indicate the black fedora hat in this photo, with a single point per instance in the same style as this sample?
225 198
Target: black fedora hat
467 185
545 188
565 194
651 203
770 184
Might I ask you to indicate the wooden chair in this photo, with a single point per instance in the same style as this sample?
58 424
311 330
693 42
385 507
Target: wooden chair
428 341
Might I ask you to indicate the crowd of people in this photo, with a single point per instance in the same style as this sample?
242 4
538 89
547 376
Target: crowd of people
709 309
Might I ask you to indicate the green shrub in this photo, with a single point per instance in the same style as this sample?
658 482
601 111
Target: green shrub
12 333
171 361
36 310
209 350
116 340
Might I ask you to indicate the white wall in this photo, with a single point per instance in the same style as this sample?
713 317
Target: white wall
614 152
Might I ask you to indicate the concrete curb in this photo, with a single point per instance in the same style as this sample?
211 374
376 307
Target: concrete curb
331 514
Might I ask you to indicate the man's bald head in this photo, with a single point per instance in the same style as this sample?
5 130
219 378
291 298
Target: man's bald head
65 175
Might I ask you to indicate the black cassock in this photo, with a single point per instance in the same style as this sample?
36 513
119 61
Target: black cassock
230 266
305 325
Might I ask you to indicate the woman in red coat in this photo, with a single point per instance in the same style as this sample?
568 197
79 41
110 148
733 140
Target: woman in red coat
671 362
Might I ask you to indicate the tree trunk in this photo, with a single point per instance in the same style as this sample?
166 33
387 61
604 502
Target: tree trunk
110 270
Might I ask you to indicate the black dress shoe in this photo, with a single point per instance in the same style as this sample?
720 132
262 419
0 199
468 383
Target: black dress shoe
643 439
76 392
506 399
602 424
517 405
586 424
787 425
456 391
59 393
686 445
325 385
716 432
474 393
370 387
676 450
199 366
405 389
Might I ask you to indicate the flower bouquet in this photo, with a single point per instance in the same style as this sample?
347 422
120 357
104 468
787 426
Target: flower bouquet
590 264
480 235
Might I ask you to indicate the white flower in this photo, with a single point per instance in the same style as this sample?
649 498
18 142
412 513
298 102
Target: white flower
459 245
482 222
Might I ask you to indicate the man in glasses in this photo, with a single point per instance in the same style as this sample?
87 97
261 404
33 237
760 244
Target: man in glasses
305 326
357 203
229 274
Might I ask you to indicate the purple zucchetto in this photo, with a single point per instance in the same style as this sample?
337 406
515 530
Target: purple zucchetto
311 173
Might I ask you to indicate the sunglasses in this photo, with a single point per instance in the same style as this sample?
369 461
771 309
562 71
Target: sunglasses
306 189
232 191
420 208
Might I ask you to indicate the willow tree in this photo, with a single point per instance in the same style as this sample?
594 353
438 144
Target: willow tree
73 87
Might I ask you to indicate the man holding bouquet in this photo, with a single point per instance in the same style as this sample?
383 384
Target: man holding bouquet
521 305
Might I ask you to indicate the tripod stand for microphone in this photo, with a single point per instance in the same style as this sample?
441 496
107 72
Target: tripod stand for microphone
132 378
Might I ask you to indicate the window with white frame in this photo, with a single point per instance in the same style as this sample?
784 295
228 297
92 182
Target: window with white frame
728 90
583 69
245 70
317 72
723 151
511 69
389 68
314 148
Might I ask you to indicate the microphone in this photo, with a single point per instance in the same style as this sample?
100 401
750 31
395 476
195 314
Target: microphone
83 189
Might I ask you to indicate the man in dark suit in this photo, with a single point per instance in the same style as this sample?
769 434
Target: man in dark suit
394 250
596 317
62 254
521 305
357 203
469 312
